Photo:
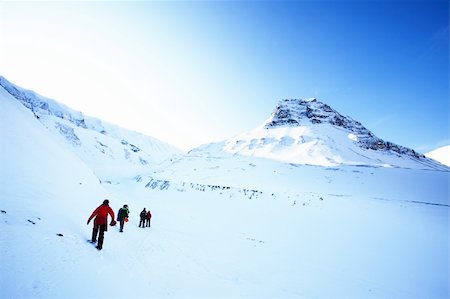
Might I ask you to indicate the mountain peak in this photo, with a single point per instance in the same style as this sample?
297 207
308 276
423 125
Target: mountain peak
294 112
299 112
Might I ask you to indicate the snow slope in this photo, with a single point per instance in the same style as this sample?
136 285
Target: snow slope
441 154
108 149
44 190
223 225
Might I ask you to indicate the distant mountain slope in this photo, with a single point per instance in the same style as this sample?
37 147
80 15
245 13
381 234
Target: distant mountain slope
441 154
311 132
108 149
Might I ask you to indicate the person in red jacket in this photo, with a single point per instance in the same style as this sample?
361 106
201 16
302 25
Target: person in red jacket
101 222
148 217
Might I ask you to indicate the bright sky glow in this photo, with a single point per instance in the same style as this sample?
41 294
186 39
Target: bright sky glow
190 73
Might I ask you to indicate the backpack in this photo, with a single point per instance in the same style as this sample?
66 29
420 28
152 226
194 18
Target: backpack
122 214
119 214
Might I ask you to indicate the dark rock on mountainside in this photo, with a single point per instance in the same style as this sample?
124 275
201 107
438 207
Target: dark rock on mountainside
295 112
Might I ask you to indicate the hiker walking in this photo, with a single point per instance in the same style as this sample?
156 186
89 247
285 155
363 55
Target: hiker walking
143 215
101 222
147 218
122 216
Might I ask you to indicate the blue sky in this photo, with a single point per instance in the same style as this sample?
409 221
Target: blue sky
194 72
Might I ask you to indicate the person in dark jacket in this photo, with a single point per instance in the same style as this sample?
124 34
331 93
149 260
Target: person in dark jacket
101 222
147 218
143 216
122 216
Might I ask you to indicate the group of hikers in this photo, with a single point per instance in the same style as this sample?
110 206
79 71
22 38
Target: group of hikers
145 218
101 220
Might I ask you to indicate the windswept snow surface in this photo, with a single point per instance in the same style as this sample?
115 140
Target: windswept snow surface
223 226
269 177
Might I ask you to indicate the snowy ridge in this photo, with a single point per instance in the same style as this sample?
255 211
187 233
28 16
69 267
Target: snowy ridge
108 149
311 132
41 105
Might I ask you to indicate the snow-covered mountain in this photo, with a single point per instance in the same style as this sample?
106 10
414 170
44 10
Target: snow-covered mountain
224 224
441 154
311 132
305 145
108 149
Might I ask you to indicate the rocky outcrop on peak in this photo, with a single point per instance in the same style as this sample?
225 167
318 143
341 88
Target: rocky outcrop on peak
297 112
294 112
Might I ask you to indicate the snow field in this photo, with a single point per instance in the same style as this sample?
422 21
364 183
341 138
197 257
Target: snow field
335 247
343 232
210 246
